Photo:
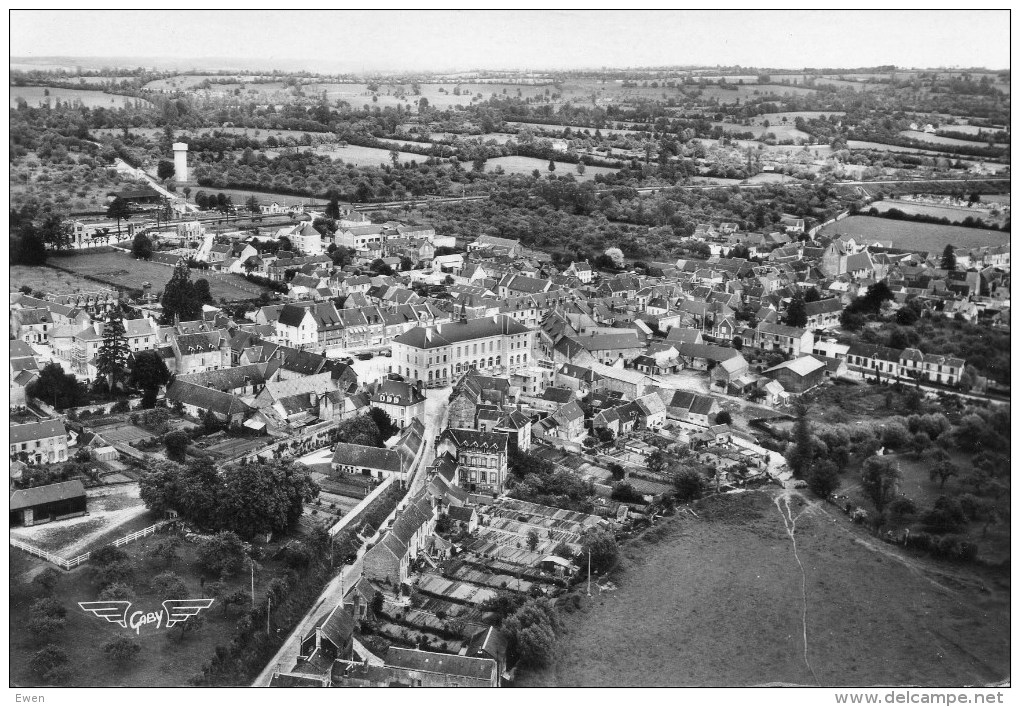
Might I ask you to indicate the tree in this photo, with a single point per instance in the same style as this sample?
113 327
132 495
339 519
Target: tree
57 388
941 468
796 312
118 209
47 580
46 618
252 204
616 256
28 247
50 664
222 555
823 479
180 301
118 591
202 291
148 372
111 360
187 193
656 461
333 207
802 451
532 540
724 418
880 479
552 166
166 548
264 497
169 585
812 295
141 247
948 258
688 485
617 471
165 170
121 650
176 443
377 604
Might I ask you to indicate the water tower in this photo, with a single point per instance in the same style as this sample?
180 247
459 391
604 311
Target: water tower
181 161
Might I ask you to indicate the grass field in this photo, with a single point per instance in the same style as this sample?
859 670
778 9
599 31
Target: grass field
720 600
942 140
35 96
955 214
123 270
526 165
915 236
49 280
865 145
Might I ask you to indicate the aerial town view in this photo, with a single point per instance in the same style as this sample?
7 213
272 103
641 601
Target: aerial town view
438 349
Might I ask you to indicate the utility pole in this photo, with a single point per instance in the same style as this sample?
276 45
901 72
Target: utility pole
589 572
269 607
252 585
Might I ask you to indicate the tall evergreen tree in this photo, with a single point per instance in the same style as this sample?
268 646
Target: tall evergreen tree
948 258
796 313
112 357
179 297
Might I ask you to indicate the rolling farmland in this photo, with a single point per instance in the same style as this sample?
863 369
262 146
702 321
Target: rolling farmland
914 236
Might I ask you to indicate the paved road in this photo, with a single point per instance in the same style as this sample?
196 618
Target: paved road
436 408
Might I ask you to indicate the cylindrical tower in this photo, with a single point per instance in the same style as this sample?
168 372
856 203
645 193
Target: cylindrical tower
180 161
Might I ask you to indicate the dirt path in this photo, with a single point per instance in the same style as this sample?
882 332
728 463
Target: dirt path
782 502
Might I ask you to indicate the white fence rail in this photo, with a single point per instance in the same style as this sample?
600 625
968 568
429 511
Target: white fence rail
67 564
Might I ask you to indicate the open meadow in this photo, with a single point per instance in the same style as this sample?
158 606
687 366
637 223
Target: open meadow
719 599
122 270
46 95
914 236
49 280
953 213
942 140
526 165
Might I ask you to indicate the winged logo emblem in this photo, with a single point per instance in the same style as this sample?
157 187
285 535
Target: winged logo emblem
115 612
180 610
174 611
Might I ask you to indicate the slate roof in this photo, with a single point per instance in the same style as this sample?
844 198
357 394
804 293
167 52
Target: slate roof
32 431
28 498
441 663
206 398
476 440
456 332
359 455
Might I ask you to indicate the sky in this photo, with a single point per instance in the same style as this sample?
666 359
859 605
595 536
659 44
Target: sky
326 40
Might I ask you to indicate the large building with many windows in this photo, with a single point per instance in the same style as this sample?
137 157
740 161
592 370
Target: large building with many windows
436 356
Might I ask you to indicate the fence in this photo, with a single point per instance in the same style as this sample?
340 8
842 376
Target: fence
67 564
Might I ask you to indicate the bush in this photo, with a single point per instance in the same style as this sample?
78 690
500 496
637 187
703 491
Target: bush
50 664
946 516
689 485
121 650
47 580
117 591
221 555
169 585
120 406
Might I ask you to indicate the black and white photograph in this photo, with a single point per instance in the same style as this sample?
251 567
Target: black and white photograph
510 349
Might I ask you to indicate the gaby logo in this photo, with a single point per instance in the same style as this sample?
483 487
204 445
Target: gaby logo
174 611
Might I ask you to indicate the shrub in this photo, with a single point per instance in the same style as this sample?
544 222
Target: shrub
689 485
47 580
121 650
169 585
50 664
117 591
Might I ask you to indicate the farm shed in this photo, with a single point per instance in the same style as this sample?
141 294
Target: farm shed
104 454
45 503
798 375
